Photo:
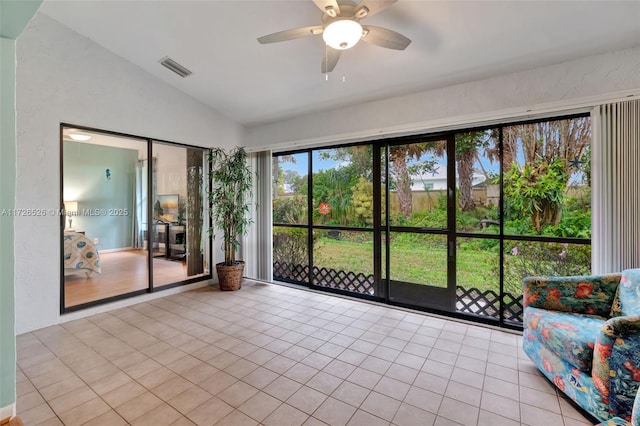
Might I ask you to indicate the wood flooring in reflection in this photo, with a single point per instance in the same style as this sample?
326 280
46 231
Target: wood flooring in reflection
122 272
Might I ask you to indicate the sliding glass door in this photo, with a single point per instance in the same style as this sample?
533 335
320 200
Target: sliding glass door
420 245
449 223
132 217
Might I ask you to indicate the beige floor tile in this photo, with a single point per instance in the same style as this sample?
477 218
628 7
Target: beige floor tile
28 401
123 394
285 415
210 352
362 418
408 415
240 368
183 364
350 393
534 416
72 399
189 399
53 421
487 418
236 394
392 388
546 401
464 393
52 377
259 406
502 388
371 363
458 411
237 418
50 365
37 414
260 377
110 383
282 388
500 405
210 412
380 405
280 364
24 387
334 412
57 389
183 421
85 412
325 383
173 387
306 399
199 373
162 415
156 377
98 373
301 373
218 382
109 418
138 406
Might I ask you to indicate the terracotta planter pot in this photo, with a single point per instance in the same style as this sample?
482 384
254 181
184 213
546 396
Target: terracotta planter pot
230 277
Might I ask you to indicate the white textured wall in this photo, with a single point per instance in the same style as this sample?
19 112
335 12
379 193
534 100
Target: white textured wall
64 77
584 81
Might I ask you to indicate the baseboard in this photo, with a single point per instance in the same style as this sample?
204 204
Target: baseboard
114 250
6 413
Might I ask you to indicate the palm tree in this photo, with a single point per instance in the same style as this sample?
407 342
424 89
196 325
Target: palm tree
399 155
467 145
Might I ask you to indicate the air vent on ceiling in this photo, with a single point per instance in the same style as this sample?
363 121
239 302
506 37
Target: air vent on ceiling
175 67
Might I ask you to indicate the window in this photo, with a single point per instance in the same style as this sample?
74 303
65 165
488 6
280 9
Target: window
450 222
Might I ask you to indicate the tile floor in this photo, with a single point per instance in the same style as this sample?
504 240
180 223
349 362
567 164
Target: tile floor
275 355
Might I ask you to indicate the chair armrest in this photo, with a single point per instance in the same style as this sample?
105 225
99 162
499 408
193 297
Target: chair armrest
586 295
616 363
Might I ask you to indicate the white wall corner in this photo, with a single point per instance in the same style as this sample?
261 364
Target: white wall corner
8 412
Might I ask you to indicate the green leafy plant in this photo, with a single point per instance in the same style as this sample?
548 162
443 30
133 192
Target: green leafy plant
231 181
537 191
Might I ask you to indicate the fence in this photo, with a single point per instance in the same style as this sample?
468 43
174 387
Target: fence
468 300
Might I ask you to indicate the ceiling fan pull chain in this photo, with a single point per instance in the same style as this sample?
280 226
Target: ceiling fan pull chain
326 62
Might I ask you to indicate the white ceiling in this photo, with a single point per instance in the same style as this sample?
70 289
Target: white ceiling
453 42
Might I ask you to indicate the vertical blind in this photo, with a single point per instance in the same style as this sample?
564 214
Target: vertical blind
616 187
257 244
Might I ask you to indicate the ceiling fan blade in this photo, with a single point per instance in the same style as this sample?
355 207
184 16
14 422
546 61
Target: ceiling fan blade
330 7
371 7
290 34
384 37
330 59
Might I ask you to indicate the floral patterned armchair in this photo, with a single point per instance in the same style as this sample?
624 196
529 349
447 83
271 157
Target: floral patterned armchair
635 416
583 333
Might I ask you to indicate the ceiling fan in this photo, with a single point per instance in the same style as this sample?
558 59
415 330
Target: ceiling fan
341 29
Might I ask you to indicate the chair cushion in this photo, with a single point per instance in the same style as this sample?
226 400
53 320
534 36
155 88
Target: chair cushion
627 298
570 336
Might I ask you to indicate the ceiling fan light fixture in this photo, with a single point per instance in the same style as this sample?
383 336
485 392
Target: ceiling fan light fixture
343 34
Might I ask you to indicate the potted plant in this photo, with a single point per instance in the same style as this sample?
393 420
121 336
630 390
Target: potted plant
229 198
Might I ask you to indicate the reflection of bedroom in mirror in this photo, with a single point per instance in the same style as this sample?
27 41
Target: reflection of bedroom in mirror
130 226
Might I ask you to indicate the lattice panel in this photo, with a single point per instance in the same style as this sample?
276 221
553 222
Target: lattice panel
290 272
324 277
472 300
349 281
487 303
512 307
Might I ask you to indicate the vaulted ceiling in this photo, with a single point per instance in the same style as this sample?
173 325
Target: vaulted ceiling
453 42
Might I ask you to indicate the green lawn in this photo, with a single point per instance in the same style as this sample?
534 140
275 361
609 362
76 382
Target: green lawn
411 262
